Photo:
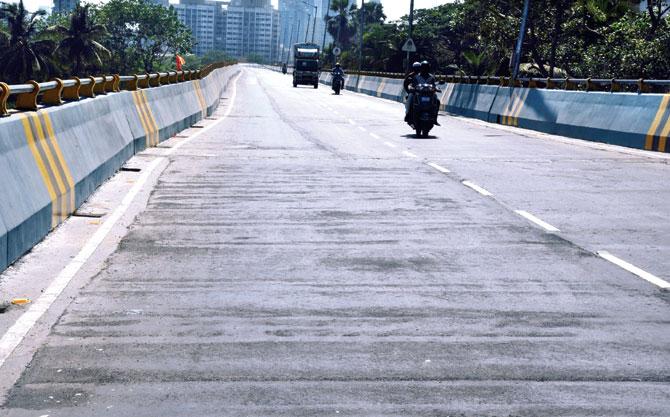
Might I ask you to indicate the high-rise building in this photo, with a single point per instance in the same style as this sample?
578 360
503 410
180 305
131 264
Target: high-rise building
252 29
64 6
298 24
202 16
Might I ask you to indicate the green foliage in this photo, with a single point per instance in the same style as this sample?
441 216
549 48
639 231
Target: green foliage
80 41
24 53
576 38
119 36
141 35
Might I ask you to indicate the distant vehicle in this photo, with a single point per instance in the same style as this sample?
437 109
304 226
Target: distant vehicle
306 67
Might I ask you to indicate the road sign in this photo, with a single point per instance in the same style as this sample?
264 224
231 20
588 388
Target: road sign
409 46
337 51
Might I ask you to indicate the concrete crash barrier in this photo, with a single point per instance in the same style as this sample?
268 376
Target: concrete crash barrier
633 120
53 159
469 100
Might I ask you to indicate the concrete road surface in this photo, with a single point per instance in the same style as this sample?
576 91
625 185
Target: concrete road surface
307 256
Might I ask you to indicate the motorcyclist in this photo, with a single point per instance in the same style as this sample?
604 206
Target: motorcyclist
425 77
409 81
284 68
337 71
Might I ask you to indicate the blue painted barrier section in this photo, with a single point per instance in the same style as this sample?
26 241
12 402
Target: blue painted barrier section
25 206
52 160
469 100
633 120
625 119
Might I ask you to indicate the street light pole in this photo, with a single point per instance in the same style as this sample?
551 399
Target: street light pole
290 44
410 29
325 26
316 13
360 40
516 61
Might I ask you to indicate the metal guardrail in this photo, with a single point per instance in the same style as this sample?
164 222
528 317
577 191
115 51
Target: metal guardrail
578 84
31 95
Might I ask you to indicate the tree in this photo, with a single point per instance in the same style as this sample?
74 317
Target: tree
341 27
80 41
141 35
25 55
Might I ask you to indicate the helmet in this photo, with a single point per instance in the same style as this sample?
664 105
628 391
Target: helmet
337 65
416 65
425 66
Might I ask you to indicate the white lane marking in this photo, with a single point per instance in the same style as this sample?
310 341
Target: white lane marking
477 188
375 136
351 122
362 129
634 270
546 226
13 337
410 154
439 168
15 334
389 144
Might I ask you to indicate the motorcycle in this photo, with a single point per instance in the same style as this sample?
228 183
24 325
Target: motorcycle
338 83
424 109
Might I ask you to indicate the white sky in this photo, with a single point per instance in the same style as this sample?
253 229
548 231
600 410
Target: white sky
394 8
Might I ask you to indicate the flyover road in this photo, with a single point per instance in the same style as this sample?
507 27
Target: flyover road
306 256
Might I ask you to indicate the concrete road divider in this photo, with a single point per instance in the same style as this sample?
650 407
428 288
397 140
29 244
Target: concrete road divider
53 159
627 119
633 120
470 100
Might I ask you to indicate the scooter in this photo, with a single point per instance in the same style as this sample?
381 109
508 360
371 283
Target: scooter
424 109
338 84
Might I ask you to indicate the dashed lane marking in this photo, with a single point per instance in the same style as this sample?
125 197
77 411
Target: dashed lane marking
546 226
375 136
410 154
477 188
352 122
438 167
635 270
362 129
389 144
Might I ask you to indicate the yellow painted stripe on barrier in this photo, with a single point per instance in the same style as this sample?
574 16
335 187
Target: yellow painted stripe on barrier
46 178
197 94
53 168
511 120
201 97
151 119
61 207
511 105
651 133
446 95
663 136
380 89
522 102
140 112
69 196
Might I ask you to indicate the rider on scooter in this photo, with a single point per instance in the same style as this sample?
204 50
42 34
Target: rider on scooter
425 77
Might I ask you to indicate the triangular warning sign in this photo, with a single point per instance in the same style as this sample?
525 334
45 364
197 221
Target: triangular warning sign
409 46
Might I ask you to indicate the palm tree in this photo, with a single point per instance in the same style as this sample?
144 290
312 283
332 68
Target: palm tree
79 42
25 55
340 26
